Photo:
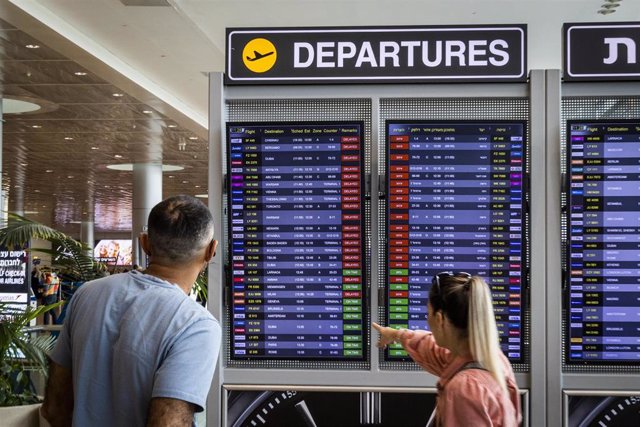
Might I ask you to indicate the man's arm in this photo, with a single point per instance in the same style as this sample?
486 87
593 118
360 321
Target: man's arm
58 400
165 412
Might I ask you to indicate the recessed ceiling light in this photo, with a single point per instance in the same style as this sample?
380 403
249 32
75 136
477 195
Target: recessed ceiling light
94 148
193 138
80 73
32 46
24 164
202 196
49 170
70 176
171 176
36 191
15 106
129 167
173 126
185 182
36 126
68 138
197 186
16 186
147 111
118 95
118 156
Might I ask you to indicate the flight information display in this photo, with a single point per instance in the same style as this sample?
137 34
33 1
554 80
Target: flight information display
456 202
603 250
297 240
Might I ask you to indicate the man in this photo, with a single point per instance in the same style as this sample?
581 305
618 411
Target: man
135 350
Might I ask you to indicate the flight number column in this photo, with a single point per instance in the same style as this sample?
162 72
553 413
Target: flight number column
506 238
246 256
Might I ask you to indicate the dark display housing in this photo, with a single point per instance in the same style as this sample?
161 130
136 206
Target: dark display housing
456 201
296 232
602 289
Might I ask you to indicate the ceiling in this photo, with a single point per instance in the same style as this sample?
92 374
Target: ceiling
156 54
55 159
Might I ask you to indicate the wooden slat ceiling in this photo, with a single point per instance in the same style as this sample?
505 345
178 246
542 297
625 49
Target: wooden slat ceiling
54 161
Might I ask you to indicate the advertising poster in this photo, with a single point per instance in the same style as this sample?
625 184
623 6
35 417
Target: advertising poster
324 408
14 286
113 252
604 411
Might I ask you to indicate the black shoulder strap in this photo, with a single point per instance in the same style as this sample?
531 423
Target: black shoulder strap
470 365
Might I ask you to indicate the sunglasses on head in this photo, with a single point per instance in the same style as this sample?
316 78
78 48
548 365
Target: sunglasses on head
436 278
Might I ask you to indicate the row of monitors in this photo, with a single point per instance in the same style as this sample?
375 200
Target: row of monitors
456 200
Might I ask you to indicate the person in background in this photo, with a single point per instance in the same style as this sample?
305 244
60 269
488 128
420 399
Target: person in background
36 284
50 295
135 350
476 385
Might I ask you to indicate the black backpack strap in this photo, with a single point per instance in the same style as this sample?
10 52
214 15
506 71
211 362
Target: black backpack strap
471 365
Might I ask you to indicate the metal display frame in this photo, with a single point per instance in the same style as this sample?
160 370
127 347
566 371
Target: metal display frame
534 381
602 379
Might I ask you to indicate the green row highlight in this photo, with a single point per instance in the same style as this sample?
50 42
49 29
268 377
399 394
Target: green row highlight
351 272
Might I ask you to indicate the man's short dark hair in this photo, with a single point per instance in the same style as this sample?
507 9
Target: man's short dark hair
179 228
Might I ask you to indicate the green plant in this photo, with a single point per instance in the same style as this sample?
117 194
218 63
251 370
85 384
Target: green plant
72 257
21 353
200 286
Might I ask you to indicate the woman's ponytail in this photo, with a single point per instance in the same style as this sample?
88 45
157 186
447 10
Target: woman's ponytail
483 333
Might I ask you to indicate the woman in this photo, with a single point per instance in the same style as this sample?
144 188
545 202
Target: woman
476 385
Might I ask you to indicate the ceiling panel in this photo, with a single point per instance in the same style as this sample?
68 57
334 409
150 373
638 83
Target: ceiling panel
54 162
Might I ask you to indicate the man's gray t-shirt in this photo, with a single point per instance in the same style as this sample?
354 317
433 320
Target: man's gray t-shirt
130 337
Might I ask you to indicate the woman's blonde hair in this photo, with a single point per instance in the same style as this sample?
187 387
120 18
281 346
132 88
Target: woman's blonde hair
466 301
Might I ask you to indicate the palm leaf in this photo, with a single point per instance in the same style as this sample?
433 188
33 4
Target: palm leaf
21 352
19 230
66 253
200 286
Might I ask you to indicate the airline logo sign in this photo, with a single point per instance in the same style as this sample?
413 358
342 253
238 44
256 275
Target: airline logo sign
494 53
602 51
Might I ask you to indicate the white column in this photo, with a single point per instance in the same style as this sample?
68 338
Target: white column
147 192
86 236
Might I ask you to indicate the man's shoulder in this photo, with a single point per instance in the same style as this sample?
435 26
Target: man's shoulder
197 311
100 283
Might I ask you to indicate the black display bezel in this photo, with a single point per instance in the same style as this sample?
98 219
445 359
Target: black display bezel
525 223
269 359
567 249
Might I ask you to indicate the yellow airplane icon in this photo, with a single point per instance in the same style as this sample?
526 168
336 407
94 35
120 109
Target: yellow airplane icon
257 55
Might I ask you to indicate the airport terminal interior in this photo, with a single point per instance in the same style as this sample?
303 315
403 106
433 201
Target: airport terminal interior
349 151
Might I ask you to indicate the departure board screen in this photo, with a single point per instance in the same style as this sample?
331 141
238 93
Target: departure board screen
297 240
603 254
456 202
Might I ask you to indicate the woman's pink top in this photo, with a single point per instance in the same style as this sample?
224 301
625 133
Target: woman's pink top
471 397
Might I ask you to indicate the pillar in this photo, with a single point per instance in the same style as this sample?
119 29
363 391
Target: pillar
147 192
86 236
